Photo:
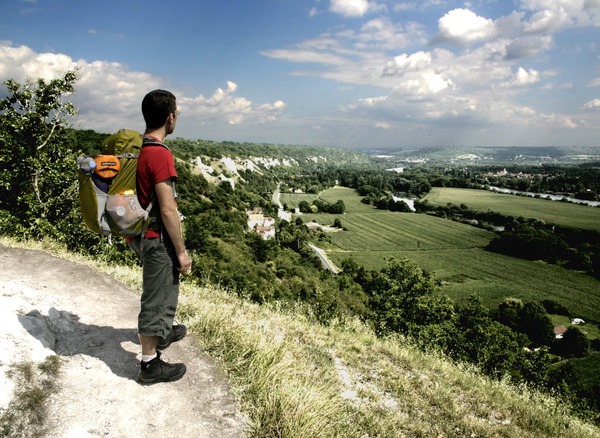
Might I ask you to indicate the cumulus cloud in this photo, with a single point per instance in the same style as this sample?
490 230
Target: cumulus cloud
405 63
350 8
551 15
424 85
21 62
354 8
523 77
108 94
224 104
462 26
592 105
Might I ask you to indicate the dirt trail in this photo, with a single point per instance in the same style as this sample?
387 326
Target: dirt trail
93 320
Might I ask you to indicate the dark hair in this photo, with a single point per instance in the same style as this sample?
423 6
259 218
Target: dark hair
156 107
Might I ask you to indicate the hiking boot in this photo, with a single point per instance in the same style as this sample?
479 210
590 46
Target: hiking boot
157 370
177 333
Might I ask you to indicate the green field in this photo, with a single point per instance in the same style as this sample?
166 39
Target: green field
292 200
554 212
454 253
591 331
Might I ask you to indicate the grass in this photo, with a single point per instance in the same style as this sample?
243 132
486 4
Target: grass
592 331
296 378
558 213
25 416
454 254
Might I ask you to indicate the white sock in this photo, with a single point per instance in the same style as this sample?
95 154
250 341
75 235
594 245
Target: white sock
148 357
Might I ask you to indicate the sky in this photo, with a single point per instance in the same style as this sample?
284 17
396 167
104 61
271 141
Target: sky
351 73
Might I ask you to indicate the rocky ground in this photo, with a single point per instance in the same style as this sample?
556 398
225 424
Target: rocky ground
52 306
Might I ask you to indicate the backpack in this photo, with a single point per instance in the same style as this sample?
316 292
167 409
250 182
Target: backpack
107 188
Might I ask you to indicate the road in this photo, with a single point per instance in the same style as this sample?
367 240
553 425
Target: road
327 264
281 213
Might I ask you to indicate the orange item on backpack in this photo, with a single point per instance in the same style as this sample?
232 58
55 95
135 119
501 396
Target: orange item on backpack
107 166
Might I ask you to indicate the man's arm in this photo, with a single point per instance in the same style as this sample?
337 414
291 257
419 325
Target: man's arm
172 223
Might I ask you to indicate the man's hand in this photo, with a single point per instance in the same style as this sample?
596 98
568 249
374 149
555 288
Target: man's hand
185 262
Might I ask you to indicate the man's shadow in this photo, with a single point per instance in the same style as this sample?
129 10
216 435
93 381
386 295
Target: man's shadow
71 337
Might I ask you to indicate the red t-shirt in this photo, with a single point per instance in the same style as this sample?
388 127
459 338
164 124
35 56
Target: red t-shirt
155 164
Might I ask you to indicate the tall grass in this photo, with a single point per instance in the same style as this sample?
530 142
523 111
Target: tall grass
296 378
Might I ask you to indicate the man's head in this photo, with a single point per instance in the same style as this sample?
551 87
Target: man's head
159 108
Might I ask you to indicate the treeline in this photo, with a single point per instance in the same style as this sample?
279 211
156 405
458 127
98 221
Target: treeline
579 181
320 206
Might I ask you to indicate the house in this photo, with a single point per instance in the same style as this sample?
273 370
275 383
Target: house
577 321
559 331
266 232
263 225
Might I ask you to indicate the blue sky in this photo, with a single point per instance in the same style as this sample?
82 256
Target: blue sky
350 73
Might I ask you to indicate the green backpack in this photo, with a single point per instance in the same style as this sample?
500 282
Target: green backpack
107 188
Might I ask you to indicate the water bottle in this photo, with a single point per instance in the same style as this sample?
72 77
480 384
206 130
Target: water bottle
86 164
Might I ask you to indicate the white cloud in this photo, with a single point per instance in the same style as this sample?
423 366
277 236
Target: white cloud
306 53
109 94
384 34
424 85
596 81
224 104
523 77
354 57
354 8
350 8
21 62
405 63
462 26
552 15
592 105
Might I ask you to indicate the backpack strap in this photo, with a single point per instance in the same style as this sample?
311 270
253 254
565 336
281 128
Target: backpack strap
151 141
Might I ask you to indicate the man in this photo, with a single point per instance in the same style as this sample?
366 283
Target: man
164 256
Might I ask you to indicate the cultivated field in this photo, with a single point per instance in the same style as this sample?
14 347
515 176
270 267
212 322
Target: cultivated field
454 253
555 212
292 200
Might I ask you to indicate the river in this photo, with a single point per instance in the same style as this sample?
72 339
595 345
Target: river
545 196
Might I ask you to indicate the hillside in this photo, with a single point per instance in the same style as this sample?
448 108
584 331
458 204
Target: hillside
291 377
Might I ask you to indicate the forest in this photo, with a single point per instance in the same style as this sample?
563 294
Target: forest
514 340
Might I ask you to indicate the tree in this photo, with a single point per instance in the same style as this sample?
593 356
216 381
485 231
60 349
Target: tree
574 343
536 324
493 347
37 163
509 311
395 293
304 207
